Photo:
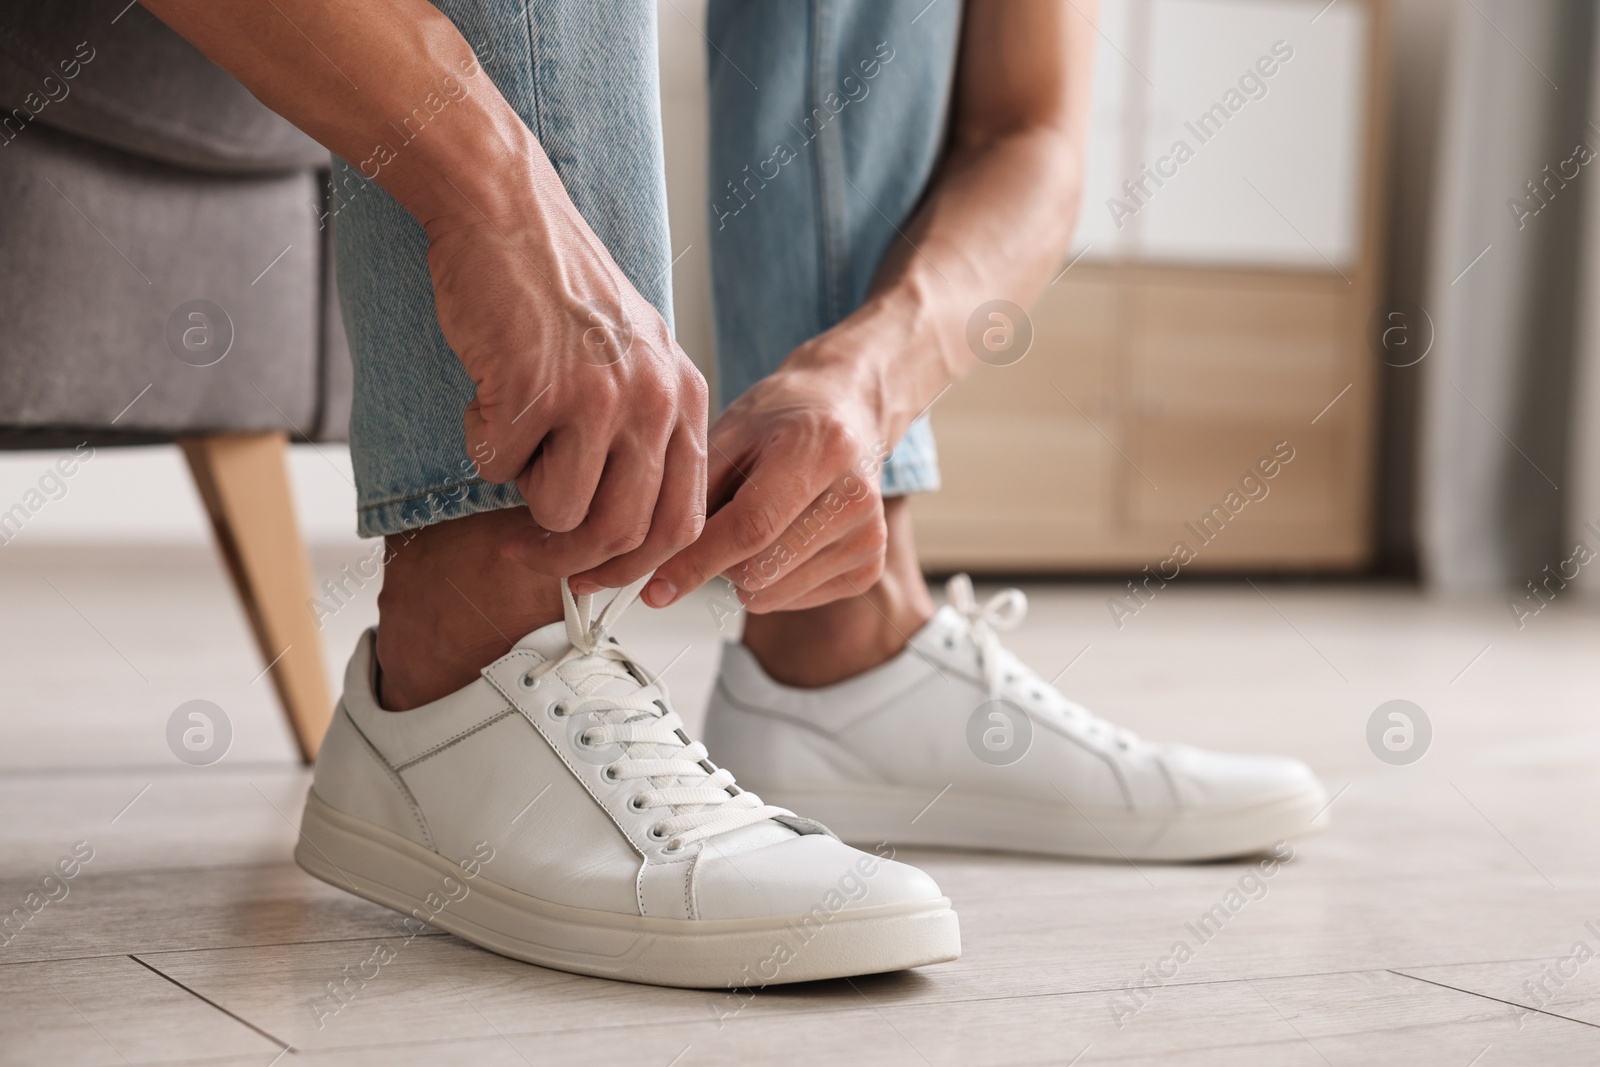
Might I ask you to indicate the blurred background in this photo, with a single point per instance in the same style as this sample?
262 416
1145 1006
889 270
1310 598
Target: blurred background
1308 429
1341 264
1355 233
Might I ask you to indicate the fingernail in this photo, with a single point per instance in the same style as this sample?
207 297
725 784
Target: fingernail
583 588
659 593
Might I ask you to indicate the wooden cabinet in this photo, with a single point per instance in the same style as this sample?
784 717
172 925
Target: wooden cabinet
1222 325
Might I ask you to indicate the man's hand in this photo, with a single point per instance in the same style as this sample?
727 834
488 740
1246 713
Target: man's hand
798 519
794 466
583 399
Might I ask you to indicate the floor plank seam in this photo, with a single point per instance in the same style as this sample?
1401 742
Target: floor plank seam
1497 1000
434 934
284 1045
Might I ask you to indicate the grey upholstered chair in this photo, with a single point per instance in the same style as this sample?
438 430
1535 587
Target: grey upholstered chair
164 277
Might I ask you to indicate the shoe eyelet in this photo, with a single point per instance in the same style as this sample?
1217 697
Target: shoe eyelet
950 642
655 833
636 803
582 739
609 772
672 846
556 710
528 681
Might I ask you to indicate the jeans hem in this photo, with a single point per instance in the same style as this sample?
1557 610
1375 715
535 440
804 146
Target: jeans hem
905 479
435 505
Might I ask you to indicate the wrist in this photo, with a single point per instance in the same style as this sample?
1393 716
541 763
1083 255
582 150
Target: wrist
893 356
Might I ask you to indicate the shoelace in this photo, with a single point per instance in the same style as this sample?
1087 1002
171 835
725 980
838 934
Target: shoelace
1004 612
703 798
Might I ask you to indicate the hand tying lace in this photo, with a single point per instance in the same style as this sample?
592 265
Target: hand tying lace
703 798
1003 612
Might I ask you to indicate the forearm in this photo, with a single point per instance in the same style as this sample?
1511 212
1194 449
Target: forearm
390 86
994 225
995 220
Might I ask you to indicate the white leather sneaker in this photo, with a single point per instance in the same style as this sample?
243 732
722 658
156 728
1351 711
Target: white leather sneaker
955 743
555 811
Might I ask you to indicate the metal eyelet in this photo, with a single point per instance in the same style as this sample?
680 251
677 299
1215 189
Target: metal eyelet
529 681
672 846
582 739
636 803
656 833
609 772
556 710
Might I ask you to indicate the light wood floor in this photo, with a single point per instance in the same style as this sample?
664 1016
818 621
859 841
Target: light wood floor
1405 934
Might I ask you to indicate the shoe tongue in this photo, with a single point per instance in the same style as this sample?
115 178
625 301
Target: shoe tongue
749 838
551 642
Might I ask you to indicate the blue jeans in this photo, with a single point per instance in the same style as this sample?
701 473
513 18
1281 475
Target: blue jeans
813 175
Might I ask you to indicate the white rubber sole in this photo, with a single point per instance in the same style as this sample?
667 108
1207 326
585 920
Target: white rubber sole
387 869
903 816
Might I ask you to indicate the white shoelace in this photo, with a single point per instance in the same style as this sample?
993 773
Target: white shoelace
1003 673
703 798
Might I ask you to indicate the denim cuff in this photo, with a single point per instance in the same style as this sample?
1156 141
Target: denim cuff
435 505
913 466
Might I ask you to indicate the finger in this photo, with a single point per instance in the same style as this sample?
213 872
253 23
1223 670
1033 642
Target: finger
851 583
724 469
815 533
862 549
560 485
679 515
758 514
619 515
498 455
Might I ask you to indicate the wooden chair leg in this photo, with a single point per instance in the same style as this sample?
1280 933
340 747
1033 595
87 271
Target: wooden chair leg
244 481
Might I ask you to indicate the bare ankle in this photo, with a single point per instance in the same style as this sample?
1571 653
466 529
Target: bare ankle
452 602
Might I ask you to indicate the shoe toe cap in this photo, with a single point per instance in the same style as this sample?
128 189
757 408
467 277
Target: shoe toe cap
799 876
1225 779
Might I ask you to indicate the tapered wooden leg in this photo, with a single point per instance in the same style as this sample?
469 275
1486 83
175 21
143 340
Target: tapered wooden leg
244 481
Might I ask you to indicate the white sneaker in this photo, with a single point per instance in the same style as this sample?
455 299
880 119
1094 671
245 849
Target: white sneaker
955 743
555 811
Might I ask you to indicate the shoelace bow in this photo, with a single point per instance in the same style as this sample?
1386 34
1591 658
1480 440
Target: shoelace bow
1004 612
703 798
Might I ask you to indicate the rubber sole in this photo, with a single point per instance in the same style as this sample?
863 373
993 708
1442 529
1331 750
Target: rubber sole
385 868
903 816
